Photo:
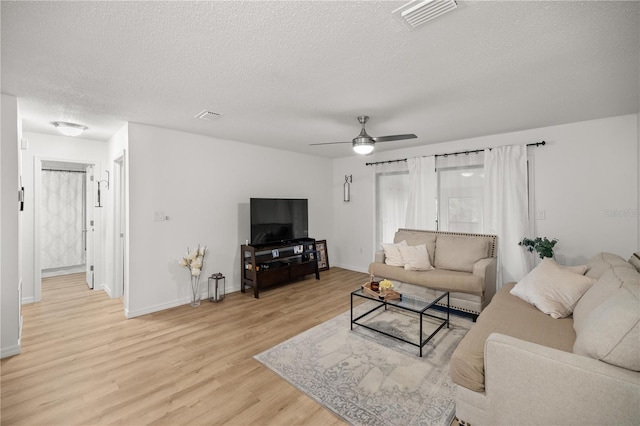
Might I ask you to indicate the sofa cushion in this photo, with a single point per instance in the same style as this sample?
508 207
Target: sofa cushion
552 289
392 254
439 279
609 282
458 253
414 238
415 258
578 269
635 261
611 332
601 262
512 316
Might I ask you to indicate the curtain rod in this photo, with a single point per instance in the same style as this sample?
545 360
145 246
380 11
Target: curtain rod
58 170
474 151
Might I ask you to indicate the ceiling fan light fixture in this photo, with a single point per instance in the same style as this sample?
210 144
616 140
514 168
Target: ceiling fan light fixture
69 129
363 146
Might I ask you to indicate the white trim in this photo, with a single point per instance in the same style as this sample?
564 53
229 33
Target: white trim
56 272
37 272
108 290
10 351
352 268
118 211
177 302
28 300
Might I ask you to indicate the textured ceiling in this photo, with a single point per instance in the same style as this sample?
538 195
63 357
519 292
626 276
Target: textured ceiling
287 74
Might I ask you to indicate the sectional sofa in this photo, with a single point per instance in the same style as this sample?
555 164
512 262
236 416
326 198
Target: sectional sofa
520 365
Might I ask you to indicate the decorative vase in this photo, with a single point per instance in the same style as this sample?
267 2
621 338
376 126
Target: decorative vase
195 291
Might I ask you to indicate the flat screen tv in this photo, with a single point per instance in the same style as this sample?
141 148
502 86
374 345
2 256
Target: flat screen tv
278 219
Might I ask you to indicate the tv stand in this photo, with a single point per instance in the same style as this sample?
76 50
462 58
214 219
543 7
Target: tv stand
266 265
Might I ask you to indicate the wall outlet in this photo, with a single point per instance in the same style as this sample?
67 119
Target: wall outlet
159 216
541 215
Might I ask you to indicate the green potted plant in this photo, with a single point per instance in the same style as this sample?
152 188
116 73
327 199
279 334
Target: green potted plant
543 246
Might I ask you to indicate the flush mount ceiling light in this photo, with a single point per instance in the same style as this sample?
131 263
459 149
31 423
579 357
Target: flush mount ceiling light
69 129
418 12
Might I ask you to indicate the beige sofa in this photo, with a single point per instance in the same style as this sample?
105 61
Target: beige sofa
463 264
517 365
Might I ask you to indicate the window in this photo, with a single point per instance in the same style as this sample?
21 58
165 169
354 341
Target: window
459 203
460 199
460 195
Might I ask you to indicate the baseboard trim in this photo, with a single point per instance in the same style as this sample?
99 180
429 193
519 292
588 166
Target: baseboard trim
10 351
28 300
161 307
108 290
353 268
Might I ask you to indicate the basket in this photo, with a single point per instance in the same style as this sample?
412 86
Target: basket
381 294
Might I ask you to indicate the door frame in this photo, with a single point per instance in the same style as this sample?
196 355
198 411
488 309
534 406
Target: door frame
120 224
37 194
89 226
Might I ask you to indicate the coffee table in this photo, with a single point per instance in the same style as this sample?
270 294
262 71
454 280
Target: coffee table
408 303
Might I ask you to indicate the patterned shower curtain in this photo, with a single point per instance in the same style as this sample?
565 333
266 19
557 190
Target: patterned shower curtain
62 219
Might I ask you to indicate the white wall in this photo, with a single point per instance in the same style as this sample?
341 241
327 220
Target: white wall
59 148
586 171
9 225
203 185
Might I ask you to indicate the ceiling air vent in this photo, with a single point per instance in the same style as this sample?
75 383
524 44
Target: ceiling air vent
208 115
418 12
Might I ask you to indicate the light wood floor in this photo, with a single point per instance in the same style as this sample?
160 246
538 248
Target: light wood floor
83 363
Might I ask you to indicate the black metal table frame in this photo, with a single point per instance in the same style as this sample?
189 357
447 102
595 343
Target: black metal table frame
421 313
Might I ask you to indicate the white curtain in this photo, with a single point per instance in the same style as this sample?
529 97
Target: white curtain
62 219
506 209
422 206
392 192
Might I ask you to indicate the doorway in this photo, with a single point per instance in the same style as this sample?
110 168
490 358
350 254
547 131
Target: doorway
64 237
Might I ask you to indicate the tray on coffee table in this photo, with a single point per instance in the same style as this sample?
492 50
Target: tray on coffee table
382 294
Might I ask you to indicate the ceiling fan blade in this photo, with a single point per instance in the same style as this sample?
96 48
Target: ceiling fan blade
394 138
327 143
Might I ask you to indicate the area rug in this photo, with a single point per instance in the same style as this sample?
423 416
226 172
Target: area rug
367 378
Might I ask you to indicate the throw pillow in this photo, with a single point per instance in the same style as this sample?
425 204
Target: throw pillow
605 286
392 254
612 331
552 289
415 258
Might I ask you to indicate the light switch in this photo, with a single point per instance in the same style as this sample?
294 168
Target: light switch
541 215
159 216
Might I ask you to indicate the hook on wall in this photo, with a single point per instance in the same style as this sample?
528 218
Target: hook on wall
106 187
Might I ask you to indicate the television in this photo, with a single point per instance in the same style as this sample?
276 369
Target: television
275 220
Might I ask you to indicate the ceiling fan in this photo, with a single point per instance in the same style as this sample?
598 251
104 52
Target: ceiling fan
363 143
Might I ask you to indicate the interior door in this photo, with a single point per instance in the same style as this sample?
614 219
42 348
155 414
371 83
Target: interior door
89 225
